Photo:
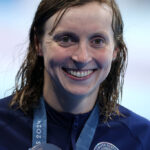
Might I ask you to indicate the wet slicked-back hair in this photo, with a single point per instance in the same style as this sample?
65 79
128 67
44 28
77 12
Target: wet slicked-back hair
30 77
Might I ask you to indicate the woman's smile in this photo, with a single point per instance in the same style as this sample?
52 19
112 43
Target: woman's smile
76 74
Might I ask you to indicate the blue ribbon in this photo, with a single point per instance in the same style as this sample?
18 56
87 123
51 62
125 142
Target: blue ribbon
39 129
86 136
39 135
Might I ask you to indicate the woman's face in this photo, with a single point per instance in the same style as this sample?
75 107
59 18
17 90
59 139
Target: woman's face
79 53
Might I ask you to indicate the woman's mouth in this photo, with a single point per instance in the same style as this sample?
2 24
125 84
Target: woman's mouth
78 74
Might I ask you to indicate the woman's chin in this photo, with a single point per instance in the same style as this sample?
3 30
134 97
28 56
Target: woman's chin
78 91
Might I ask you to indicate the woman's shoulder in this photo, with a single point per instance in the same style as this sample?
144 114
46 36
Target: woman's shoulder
8 113
132 119
138 126
15 127
4 105
127 131
6 100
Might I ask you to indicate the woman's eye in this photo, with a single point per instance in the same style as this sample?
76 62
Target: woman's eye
65 40
97 42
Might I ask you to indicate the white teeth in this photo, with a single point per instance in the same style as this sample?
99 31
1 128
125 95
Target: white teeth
80 73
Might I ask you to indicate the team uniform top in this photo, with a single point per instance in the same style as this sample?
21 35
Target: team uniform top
128 132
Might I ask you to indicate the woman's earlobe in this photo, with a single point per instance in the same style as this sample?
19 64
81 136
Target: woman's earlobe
38 46
115 52
39 50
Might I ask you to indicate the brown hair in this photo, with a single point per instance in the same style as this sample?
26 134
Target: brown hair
30 77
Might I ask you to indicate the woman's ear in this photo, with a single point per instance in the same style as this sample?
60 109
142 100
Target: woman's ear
37 43
115 52
38 46
39 49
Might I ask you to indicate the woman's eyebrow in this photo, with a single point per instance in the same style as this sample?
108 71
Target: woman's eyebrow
63 32
100 34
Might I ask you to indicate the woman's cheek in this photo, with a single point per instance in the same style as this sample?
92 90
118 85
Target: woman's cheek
103 60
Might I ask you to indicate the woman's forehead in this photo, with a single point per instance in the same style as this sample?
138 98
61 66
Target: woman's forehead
89 13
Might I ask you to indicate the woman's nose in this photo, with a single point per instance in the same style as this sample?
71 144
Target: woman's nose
82 54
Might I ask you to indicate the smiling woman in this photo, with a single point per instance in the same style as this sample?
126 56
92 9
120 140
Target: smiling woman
67 90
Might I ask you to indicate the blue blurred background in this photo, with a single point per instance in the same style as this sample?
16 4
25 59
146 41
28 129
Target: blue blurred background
15 21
